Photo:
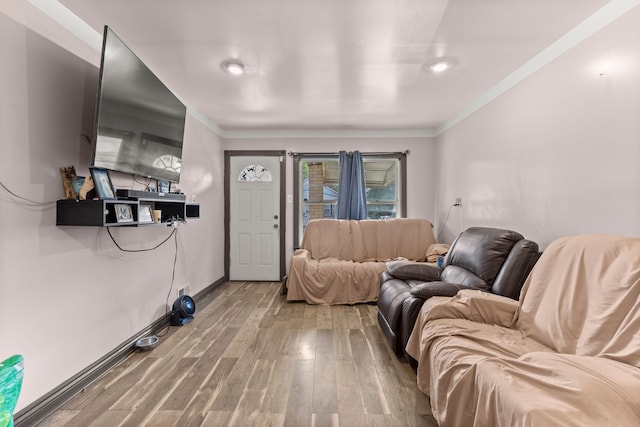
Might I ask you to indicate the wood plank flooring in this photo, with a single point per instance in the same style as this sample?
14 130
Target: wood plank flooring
250 358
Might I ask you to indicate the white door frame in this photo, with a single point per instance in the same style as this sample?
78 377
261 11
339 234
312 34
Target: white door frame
227 203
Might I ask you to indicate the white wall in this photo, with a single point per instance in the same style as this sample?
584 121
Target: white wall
559 153
420 167
68 296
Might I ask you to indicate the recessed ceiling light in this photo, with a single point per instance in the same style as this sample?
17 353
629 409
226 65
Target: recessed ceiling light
440 65
232 66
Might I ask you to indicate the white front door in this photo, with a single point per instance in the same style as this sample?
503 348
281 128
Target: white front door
254 241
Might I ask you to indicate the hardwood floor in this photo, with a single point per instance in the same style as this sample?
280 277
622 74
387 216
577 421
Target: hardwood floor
250 358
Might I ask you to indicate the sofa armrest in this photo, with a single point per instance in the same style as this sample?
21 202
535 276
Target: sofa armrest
302 253
437 289
410 270
474 305
385 277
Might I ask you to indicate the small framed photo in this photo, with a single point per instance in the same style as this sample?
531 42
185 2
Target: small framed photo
102 183
78 183
163 186
144 214
123 212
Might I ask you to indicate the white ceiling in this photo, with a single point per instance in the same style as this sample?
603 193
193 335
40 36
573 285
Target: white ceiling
344 64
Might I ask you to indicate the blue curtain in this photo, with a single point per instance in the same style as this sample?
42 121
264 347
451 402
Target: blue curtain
352 196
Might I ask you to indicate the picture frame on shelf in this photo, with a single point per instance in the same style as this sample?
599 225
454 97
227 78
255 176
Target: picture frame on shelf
144 214
163 186
102 182
78 183
124 213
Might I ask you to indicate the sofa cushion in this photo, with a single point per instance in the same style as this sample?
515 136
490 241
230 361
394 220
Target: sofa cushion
516 268
455 274
578 395
333 281
408 270
453 349
436 251
436 289
338 239
477 370
368 240
482 251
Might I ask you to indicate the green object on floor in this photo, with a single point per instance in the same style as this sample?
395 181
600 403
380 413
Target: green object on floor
11 373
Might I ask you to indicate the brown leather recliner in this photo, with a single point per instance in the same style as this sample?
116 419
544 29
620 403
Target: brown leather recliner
488 259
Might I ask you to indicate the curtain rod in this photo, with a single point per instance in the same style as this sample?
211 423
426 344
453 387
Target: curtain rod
405 152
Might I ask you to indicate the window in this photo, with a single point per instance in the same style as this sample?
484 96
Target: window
319 189
253 173
316 184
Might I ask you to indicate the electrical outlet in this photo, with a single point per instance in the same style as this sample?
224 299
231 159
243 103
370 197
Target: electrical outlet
184 290
458 201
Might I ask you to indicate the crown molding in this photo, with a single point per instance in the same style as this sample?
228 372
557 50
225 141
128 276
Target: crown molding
326 133
67 19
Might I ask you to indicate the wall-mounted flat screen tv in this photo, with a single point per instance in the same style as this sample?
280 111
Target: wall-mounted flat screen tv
139 125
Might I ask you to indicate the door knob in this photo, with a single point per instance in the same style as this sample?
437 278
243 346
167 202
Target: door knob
275 217
275 225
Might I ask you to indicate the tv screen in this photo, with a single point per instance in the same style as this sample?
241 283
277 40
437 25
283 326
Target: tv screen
139 124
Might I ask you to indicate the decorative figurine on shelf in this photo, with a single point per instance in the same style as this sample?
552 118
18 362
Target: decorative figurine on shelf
87 190
68 175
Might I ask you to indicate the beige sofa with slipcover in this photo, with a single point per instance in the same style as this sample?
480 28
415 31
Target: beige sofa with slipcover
340 261
566 354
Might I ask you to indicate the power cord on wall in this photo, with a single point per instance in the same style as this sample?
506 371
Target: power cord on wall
174 233
456 204
175 221
165 330
444 223
146 184
25 201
